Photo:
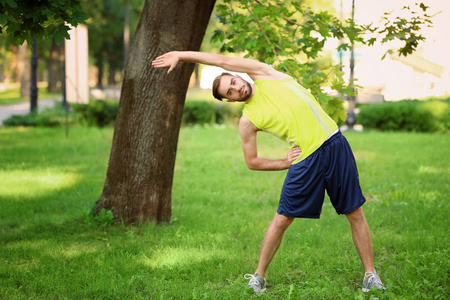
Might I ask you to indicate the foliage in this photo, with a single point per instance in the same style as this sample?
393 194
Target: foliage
103 219
402 29
198 112
46 19
106 30
49 117
98 113
291 38
102 113
205 112
220 213
407 115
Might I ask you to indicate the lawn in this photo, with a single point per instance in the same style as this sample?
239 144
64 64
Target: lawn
11 94
51 248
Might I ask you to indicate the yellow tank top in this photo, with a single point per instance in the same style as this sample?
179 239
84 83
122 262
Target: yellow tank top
284 108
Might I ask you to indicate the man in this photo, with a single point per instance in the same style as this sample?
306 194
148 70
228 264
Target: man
319 159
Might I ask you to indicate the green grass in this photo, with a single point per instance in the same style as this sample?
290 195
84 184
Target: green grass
50 248
11 95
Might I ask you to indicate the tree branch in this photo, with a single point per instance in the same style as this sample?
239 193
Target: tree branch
267 39
286 19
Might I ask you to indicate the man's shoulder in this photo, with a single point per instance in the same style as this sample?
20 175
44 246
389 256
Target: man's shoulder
273 74
246 124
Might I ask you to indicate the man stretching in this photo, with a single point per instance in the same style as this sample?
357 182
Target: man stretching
319 158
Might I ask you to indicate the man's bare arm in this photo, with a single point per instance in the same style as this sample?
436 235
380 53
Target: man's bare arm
248 133
254 69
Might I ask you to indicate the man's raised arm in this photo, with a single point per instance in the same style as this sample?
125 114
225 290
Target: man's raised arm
253 68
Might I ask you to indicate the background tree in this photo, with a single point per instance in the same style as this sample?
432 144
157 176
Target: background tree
54 66
37 21
139 179
44 19
291 36
106 30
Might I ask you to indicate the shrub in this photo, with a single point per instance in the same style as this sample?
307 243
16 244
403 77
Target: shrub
198 112
228 113
21 120
407 115
49 117
103 113
204 112
99 113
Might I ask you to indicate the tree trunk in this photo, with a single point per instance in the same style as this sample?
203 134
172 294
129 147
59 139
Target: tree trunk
139 179
101 68
111 75
55 67
34 69
197 76
23 69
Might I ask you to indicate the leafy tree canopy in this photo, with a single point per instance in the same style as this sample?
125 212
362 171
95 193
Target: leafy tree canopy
44 19
291 37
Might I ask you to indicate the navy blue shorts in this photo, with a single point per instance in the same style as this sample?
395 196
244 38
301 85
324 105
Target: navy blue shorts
332 167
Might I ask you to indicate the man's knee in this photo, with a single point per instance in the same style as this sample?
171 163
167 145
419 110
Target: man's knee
282 222
356 215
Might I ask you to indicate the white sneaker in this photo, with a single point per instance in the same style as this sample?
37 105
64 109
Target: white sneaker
257 283
372 280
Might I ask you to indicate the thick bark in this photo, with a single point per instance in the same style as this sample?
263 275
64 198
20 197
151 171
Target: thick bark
139 179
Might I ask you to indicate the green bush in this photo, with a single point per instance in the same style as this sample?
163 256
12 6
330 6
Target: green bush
49 117
204 112
407 115
228 113
21 120
99 113
103 113
198 112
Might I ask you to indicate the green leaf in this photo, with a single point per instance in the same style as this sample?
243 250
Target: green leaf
218 35
78 17
10 3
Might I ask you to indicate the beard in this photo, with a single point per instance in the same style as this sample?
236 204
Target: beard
248 95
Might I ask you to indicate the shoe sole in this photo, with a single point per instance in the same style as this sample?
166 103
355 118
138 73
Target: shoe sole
368 290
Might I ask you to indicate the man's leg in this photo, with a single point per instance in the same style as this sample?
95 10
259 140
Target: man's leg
271 242
361 238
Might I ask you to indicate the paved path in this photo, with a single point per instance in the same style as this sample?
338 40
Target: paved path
23 108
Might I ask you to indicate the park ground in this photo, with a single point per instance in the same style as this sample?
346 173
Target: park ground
52 248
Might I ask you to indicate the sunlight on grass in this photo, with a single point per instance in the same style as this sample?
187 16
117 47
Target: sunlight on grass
181 256
429 170
77 250
431 195
37 182
51 247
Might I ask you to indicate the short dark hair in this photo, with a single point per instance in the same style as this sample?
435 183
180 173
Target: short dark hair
215 86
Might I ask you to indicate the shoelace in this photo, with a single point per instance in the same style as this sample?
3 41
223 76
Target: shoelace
253 279
373 278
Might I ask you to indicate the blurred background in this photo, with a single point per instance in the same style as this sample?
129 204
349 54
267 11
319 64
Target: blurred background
95 57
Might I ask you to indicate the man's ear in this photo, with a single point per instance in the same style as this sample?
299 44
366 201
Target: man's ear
230 101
